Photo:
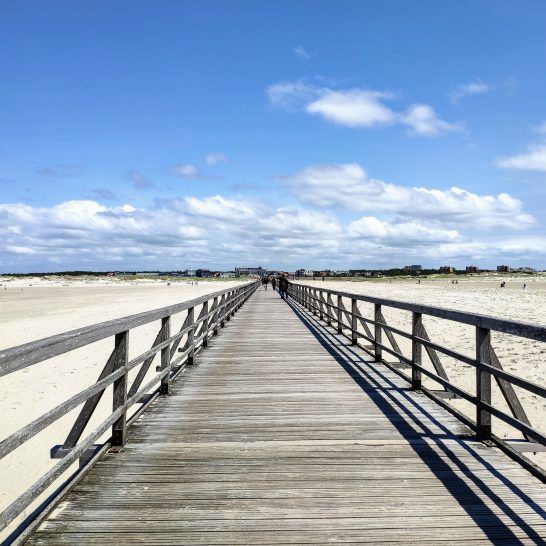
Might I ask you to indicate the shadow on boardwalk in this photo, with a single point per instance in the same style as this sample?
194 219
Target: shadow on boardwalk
371 379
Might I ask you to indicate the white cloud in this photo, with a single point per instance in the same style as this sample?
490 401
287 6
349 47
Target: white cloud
291 94
353 108
369 227
220 208
349 186
217 231
357 108
475 87
533 160
214 158
186 170
301 53
423 121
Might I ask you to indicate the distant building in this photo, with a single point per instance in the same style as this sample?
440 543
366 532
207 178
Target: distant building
504 269
205 273
471 269
304 273
526 270
226 274
191 272
246 271
413 267
447 269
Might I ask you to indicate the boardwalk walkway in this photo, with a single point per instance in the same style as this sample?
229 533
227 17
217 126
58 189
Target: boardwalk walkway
282 433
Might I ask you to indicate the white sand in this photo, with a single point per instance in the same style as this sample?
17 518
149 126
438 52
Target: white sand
32 309
522 357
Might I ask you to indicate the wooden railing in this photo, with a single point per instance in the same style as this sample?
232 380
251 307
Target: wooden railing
216 308
486 363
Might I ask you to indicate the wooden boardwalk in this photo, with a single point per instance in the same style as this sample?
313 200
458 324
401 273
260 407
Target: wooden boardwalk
283 433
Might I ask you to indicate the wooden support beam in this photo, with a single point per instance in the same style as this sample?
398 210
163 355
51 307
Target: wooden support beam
88 408
483 384
119 428
146 364
416 351
191 335
166 356
377 333
354 323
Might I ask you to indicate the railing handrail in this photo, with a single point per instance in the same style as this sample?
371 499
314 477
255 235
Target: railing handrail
115 373
485 361
27 354
514 327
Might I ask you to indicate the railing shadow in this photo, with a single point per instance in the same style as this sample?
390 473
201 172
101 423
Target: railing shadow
368 376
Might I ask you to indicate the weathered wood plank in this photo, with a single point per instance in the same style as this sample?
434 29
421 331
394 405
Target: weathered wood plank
285 433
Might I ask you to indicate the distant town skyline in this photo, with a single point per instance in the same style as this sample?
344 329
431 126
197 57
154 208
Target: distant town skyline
347 135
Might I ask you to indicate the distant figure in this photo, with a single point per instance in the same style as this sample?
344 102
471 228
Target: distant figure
265 281
524 286
503 284
273 283
283 286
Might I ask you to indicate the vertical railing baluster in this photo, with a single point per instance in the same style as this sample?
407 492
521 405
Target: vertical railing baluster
416 350
191 335
483 384
378 352
205 326
354 323
121 358
215 316
339 316
166 355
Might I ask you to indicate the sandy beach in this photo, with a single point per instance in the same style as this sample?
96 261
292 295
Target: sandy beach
34 308
484 295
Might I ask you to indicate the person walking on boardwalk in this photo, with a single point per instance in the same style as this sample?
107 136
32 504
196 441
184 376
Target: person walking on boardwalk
283 286
274 283
265 281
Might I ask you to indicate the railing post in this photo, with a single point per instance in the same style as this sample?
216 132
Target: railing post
378 352
205 326
166 355
339 316
229 305
354 323
321 308
416 350
191 335
483 384
215 317
315 303
121 358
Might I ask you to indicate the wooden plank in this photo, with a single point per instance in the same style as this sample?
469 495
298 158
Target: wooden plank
291 436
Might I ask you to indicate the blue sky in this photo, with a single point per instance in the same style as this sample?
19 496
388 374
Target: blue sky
287 134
